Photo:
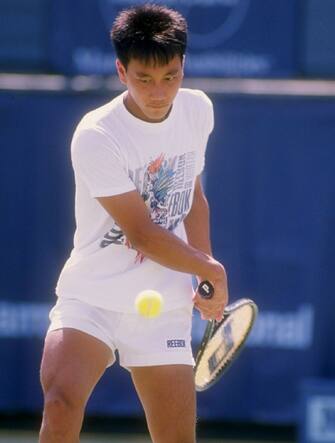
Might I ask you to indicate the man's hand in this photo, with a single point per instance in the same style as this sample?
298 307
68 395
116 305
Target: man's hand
213 308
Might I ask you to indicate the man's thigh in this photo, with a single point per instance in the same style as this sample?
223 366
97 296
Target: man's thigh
168 397
72 363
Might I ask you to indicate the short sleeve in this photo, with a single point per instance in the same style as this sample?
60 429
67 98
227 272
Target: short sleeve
207 127
99 164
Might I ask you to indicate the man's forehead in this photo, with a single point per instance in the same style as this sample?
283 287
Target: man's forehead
149 72
150 67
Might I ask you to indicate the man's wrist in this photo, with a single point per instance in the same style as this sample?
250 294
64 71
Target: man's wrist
215 272
219 273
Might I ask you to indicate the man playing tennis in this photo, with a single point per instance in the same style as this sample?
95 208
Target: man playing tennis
142 223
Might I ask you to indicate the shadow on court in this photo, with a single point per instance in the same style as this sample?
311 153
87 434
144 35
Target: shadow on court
24 429
31 437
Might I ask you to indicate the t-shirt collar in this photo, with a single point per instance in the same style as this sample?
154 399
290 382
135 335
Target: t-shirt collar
142 123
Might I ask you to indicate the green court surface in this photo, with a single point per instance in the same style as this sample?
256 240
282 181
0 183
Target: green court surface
32 437
20 428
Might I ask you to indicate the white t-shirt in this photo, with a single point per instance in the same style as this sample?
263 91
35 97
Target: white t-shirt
114 152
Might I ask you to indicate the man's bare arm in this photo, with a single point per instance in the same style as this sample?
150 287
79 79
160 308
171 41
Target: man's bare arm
157 243
197 221
197 226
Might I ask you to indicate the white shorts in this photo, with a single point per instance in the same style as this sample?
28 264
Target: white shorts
163 340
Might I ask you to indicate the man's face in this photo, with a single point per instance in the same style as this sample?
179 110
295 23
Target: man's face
151 88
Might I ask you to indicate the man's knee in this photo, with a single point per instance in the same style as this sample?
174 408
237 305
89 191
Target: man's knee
63 409
62 399
60 391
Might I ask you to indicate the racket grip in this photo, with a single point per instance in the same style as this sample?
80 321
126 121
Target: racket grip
206 289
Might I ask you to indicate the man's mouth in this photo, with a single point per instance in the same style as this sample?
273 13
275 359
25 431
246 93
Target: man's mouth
159 106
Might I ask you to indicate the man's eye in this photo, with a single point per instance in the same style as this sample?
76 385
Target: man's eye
144 80
169 78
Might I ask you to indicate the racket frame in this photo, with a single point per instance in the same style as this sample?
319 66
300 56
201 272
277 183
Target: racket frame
212 328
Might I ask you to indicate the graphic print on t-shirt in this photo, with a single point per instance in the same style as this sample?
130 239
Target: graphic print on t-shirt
157 186
166 188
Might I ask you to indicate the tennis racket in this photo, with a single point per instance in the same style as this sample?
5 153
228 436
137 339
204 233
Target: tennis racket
223 340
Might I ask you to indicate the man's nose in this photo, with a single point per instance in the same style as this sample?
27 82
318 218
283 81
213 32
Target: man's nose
158 92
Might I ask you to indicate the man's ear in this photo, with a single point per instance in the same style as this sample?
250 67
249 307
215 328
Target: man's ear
183 65
121 71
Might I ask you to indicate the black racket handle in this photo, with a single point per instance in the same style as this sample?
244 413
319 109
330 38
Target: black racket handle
206 289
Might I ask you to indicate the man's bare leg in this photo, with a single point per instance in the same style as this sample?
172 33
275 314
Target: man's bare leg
168 397
72 364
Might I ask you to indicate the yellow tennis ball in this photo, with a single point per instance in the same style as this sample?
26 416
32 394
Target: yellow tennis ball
149 303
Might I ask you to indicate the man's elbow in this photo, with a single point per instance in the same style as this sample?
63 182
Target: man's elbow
141 238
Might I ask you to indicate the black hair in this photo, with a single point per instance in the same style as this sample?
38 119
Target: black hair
151 33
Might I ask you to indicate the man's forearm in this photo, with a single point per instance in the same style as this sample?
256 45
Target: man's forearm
159 244
197 228
165 248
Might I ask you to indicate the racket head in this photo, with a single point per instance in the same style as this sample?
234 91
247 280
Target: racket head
222 342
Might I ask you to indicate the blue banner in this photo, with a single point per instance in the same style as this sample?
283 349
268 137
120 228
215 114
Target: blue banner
317 420
234 38
318 58
24 35
271 186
